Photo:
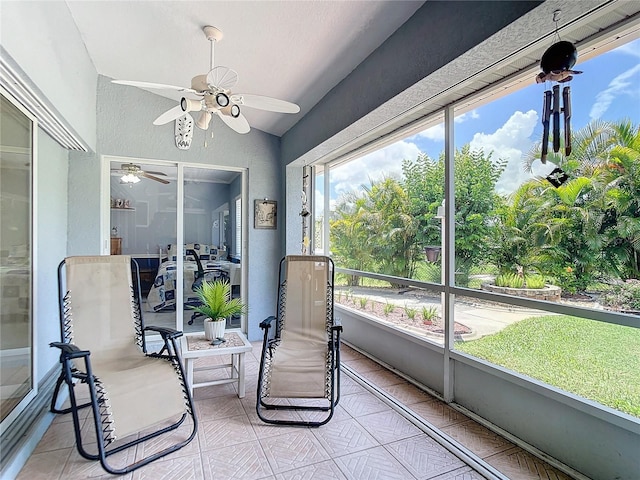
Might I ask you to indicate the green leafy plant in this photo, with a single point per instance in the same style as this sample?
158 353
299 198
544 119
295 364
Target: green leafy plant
389 308
568 279
216 300
624 296
510 280
363 302
429 314
411 312
534 281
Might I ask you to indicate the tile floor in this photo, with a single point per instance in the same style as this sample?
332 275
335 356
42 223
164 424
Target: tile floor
366 439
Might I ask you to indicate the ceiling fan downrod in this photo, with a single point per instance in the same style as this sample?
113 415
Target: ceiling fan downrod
213 34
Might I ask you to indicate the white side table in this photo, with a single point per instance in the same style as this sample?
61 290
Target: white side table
195 346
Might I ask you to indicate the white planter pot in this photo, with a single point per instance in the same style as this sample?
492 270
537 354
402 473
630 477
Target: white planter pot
213 330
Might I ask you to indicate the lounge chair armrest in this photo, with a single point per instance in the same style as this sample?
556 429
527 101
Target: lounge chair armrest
69 350
266 323
337 325
164 331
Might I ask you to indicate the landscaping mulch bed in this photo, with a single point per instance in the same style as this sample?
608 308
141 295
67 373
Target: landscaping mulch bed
399 317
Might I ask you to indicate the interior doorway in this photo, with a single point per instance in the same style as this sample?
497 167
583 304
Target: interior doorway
176 221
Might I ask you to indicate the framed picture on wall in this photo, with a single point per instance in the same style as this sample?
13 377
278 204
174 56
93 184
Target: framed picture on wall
265 214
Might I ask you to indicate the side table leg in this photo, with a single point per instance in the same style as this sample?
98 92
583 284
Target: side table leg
189 362
241 375
234 365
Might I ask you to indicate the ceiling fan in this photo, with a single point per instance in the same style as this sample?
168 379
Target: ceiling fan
131 173
214 96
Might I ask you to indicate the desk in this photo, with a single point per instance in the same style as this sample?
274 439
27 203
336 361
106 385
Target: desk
195 346
116 246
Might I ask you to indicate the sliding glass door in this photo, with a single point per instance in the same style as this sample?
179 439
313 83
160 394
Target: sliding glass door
177 221
16 271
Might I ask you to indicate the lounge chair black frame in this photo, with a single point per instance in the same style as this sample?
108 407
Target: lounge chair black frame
273 337
73 358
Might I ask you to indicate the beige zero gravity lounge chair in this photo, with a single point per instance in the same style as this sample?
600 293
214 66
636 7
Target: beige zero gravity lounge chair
103 346
301 356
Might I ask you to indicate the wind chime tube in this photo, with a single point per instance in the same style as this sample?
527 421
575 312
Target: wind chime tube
566 107
556 118
546 114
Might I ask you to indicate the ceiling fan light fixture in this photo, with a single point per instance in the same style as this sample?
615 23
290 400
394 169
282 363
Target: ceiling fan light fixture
189 105
129 178
222 99
232 110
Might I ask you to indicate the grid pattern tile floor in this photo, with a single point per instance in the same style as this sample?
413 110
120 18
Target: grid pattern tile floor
367 439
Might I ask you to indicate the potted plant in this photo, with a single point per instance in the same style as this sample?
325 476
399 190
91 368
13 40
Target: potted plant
217 305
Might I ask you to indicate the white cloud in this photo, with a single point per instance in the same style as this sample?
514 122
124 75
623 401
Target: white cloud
509 142
436 133
623 84
473 114
387 161
319 199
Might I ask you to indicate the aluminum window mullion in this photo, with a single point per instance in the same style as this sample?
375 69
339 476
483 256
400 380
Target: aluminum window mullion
180 249
326 244
448 232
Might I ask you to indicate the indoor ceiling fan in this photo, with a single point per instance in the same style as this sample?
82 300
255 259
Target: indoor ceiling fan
131 173
213 95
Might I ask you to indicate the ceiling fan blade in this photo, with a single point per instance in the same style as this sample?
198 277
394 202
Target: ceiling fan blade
169 115
239 124
155 173
222 77
265 103
157 86
151 177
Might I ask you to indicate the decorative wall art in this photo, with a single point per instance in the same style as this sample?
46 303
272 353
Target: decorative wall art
265 214
184 131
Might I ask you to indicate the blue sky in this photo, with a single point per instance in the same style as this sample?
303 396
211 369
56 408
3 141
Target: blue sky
609 89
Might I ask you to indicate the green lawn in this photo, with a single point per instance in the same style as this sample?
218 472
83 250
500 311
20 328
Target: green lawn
592 359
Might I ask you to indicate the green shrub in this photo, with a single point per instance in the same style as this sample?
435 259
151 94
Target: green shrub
429 314
625 296
570 280
534 281
428 272
388 308
411 312
363 302
510 280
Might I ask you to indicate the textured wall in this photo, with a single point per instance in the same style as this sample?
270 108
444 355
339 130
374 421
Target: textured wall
50 246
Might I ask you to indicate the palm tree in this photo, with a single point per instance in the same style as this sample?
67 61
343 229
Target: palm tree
620 188
597 212
589 146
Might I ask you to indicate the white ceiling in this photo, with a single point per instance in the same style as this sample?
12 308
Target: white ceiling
292 50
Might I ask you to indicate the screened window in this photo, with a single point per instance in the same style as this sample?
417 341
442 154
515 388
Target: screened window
515 232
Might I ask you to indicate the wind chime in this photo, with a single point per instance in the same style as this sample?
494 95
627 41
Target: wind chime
556 64
305 211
